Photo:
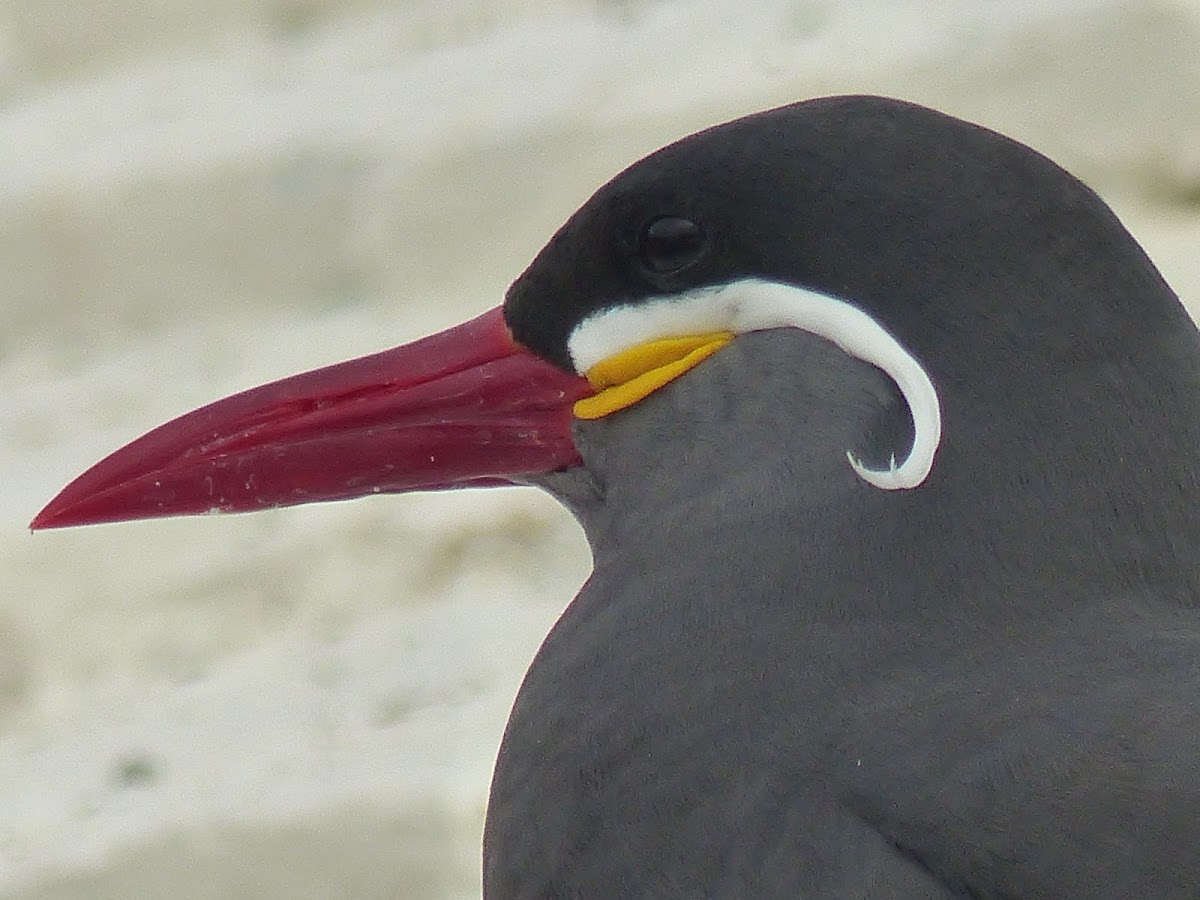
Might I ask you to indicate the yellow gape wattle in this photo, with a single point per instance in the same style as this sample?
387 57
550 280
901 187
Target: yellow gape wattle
632 375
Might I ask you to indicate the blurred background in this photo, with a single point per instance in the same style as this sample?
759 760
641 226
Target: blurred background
199 196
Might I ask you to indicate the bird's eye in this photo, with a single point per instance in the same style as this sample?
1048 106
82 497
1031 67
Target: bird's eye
670 243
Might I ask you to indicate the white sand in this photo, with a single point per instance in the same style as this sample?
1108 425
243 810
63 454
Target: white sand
307 703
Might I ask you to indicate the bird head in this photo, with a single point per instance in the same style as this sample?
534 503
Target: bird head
918 258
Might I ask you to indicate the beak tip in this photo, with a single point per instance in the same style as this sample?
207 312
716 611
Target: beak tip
43 521
55 515
67 510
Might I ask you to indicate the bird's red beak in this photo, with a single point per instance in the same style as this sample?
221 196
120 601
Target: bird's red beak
463 408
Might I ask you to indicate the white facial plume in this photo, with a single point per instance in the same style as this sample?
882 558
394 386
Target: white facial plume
755 305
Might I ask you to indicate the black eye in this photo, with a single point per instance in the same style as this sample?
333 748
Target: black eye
671 243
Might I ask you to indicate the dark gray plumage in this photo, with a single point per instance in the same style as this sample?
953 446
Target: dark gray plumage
782 682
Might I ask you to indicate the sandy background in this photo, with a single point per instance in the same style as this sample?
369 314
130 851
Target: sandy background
199 196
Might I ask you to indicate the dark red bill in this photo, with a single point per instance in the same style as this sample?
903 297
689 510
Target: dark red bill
463 408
